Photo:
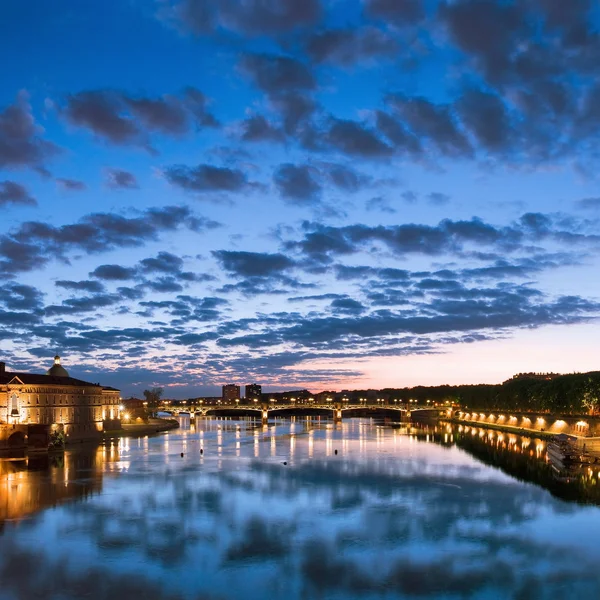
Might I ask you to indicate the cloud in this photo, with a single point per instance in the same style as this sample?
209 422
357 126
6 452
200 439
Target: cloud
164 262
21 141
94 287
404 12
295 109
438 198
588 203
356 139
20 297
251 17
346 47
71 185
381 204
274 73
344 177
33 244
206 178
297 183
123 119
402 140
113 273
253 264
14 193
121 180
435 122
347 306
82 304
258 129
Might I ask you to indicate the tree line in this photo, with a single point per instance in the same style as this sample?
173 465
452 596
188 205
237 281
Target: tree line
577 393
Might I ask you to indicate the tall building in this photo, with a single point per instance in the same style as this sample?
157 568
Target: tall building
33 405
231 392
253 391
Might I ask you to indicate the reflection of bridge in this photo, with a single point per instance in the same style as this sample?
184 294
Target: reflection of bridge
334 410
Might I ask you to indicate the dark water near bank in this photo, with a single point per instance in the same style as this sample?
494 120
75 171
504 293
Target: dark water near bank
396 513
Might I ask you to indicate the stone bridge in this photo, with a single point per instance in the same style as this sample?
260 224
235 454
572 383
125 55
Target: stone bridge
334 410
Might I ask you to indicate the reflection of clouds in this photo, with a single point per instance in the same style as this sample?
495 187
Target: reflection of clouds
388 517
261 540
27 574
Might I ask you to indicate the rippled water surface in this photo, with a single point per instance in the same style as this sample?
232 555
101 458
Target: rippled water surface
395 513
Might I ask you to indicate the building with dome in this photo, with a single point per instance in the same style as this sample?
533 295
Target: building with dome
34 405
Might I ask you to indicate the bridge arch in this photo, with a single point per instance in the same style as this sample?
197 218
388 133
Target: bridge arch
17 439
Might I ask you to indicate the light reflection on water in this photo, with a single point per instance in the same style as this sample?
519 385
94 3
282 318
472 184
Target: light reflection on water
396 513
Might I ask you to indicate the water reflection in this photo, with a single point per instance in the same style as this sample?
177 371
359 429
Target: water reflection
396 513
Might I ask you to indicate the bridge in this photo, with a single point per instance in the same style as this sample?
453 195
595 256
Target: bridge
334 410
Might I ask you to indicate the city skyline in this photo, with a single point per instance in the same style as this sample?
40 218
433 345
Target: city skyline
314 194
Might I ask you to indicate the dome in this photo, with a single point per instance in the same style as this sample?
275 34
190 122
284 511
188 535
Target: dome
56 370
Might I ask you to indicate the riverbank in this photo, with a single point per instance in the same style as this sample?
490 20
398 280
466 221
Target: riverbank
592 444
141 429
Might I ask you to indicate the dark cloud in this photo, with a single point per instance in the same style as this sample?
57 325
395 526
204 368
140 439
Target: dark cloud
121 180
34 244
486 117
344 177
276 73
164 262
297 183
71 185
253 264
347 47
14 193
130 120
258 129
588 203
206 178
100 112
251 17
448 236
438 198
380 204
21 141
347 306
356 139
15 296
113 273
94 287
400 12
435 122
397 134
82 304
295 109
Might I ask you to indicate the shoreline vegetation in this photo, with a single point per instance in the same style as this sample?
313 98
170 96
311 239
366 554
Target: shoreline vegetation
576 393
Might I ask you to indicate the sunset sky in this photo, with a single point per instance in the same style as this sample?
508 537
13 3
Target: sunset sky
328 194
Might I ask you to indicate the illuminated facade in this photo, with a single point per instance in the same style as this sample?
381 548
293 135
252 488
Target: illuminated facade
77 408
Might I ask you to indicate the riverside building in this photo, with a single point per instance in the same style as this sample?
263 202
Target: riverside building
33 405
231 393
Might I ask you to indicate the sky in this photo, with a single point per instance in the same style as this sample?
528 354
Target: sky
330 194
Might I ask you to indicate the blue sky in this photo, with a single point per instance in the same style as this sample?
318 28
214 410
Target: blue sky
317 193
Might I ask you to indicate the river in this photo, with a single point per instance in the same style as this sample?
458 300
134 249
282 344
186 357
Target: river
298 509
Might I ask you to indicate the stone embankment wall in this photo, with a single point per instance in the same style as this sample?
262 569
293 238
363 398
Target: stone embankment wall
579 425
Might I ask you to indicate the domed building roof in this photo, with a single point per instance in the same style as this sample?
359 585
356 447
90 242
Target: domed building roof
56 370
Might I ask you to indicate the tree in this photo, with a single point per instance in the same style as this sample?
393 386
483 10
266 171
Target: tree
153 397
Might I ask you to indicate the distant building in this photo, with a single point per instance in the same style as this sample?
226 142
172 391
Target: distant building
253 391
325 397
231 393
54 401
536 376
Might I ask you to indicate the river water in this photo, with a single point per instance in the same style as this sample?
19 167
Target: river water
298 509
